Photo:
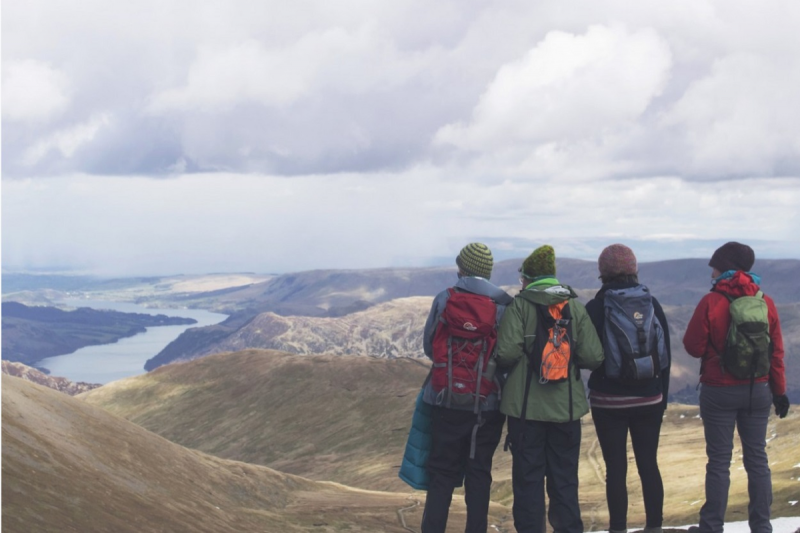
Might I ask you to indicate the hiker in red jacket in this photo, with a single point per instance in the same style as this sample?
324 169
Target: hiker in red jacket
727 401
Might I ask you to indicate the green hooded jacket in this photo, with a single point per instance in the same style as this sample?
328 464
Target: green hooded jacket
549 402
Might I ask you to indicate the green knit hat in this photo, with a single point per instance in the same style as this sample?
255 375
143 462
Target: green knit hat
475 259
541 262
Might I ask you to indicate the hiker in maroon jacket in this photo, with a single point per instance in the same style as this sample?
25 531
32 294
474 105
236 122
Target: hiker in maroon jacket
727 402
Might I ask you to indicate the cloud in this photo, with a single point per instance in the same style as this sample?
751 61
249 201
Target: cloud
515 91
33 91
66 141
566 89
742 119
316 130
232 222
331 60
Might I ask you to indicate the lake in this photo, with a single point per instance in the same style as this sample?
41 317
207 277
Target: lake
126 357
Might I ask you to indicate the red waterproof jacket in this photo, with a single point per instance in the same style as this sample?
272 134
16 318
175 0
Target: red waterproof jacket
705 335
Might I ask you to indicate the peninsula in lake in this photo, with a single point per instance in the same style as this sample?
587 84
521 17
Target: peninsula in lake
31 334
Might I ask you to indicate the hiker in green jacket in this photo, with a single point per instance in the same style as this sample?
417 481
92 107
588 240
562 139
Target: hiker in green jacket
544 397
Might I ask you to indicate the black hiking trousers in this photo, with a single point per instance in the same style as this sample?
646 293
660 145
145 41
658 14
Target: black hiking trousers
551 451
612 427
449 463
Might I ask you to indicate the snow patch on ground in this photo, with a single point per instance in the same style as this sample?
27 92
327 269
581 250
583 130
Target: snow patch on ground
788 524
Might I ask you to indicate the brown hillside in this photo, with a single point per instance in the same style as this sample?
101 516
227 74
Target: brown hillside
72 467
325 417
346 419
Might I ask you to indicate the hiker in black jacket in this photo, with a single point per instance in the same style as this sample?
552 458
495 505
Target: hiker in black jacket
620 406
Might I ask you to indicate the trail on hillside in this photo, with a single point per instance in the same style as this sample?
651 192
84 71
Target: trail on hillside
595 459
401 514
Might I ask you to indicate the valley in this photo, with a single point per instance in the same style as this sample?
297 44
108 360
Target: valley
69 466
292 413
345 419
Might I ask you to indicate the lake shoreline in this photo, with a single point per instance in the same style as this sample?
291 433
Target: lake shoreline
127 356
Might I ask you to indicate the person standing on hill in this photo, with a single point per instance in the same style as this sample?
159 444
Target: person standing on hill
547 334
459 337
626 396
736 332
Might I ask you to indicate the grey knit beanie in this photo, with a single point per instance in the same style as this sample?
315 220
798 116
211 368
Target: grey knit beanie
475 259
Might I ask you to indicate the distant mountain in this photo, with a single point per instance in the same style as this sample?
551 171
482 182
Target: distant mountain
56 383
338 292
308 312
31 334
390 329
71 466
346 419
394 329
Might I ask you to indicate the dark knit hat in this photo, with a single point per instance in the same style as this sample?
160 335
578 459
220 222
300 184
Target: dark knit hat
733 256
475 259
616 260
541 262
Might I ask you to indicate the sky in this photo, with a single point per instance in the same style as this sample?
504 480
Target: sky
177 136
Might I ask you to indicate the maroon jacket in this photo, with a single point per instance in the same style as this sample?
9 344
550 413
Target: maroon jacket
705 335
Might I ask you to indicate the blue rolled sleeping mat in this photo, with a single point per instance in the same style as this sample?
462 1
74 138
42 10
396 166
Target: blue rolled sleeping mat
418 446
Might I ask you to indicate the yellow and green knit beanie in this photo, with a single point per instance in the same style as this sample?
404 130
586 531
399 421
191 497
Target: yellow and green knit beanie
541 262
475 259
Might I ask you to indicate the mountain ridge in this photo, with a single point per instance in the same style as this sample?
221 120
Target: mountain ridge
71 466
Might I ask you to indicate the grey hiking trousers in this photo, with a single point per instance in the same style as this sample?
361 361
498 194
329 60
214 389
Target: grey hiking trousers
722 408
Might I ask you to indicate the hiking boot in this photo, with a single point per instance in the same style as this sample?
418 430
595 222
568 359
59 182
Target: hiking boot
694 529
653 530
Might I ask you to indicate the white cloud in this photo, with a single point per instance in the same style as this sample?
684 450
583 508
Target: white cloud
567 89
230 222
334 59
742 118
33 90
429 123
68 140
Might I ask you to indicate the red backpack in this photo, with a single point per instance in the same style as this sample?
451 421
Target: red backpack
462 346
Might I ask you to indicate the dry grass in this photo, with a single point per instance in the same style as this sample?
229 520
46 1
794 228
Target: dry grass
337 419
346 419
71 467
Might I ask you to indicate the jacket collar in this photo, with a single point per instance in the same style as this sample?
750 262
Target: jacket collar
484 287
614 286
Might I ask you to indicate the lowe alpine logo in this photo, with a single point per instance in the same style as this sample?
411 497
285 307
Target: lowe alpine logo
638 316
469 327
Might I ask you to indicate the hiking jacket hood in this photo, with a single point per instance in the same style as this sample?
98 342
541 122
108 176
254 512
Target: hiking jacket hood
549 402
474 285
707 331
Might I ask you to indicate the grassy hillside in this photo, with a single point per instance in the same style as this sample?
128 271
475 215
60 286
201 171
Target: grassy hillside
324 417
346 419
71 467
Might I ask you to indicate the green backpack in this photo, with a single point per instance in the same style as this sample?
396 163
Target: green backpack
748 345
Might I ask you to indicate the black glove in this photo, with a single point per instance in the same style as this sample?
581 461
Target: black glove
781 404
